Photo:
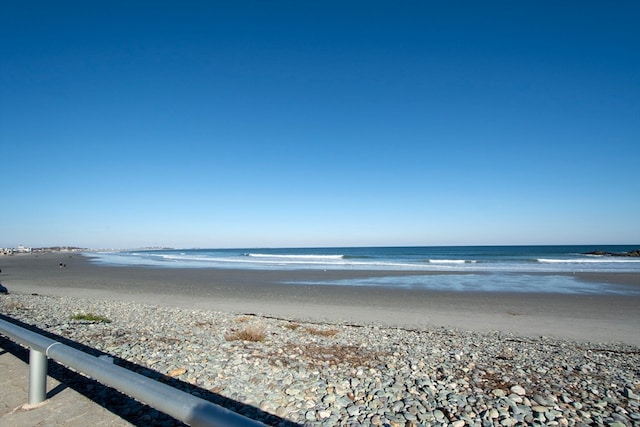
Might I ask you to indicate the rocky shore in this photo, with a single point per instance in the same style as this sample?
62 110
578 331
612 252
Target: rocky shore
635 253
285 372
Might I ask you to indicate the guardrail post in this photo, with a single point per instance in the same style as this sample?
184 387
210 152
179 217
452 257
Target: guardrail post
181 405
37 376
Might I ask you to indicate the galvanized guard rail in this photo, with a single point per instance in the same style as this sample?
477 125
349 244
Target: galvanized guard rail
182 406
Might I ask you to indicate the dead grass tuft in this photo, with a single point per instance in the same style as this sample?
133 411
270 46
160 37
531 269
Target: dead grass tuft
292 326
253 333
243 319
15 305
494 380
322 332
318 356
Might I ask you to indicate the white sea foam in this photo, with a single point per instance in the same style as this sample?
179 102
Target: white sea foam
450 261
300 256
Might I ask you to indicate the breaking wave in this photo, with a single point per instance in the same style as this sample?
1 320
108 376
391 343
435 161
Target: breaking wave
292 256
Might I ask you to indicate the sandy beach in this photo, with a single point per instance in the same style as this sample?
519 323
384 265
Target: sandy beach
594 318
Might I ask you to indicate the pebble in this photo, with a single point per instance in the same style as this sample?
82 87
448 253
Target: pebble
517 389
361 375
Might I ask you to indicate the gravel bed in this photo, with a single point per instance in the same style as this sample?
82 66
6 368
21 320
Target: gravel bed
286 372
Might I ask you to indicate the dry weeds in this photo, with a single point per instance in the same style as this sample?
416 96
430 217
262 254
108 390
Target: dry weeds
317 356
292 326
322 332
15 305
253 333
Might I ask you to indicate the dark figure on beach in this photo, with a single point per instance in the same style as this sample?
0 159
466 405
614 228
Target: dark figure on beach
3 290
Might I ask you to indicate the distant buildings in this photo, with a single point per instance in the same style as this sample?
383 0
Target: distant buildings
17 250
24 250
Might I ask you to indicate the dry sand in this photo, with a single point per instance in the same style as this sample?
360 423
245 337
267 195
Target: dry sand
597 318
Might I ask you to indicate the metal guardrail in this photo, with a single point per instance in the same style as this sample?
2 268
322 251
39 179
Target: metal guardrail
182 406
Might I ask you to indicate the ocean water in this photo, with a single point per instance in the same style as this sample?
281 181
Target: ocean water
481 268
533 259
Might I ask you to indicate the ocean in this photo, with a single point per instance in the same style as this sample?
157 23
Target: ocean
546 269
532 259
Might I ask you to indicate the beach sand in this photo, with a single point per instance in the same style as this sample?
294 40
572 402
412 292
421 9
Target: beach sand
595 318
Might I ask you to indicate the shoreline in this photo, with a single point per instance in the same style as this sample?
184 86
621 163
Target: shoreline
587 318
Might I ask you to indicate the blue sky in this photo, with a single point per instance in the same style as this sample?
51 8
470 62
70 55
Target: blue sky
236 124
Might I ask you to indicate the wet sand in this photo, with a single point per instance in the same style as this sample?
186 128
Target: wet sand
597 318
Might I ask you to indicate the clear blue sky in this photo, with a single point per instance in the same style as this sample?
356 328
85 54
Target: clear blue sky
235 124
